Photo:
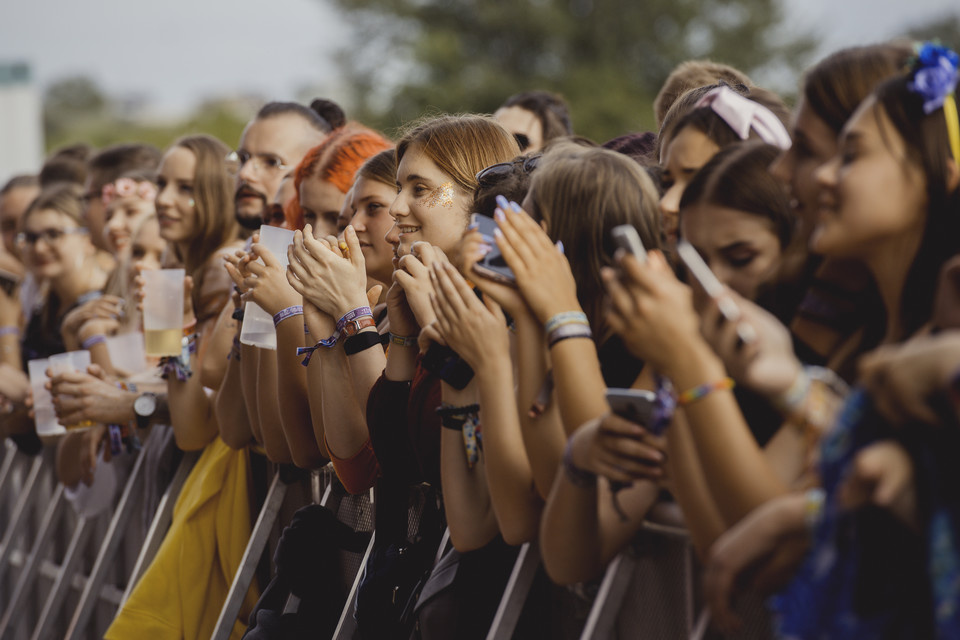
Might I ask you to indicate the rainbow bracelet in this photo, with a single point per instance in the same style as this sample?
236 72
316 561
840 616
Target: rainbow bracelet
699 392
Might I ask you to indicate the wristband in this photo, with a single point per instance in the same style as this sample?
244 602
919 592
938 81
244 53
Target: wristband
9 331
792 399
237 314
352 315
188 328
357 325
466 420
567 331
578 477
93 340
289 312
702 391
403 341
564 318
360 342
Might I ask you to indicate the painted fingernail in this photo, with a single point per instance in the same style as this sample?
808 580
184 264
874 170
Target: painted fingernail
498 234
560 246
516 208
502 202
485 248
499 215
473 226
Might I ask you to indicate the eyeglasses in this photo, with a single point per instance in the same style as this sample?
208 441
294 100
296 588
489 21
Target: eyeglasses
50 236
236 160
523 140
497 172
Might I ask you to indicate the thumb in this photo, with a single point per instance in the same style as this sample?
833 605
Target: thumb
353 244
373 295
187 286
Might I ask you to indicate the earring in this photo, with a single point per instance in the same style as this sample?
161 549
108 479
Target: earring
192 202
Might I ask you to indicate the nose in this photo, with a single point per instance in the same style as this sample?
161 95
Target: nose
670 202
164 198
248 172
359 222
399 206
393 235
826 174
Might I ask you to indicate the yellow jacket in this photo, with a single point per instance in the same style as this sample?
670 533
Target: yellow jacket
181 593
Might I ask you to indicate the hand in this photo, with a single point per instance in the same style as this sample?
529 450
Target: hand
91 441
767 364
14 386
320 272
882 475
103 308
652 311
79 397
763 550
188 312
413 274
619 450
476 330
903 379
320 325
472 250
544 277
429 335
267 284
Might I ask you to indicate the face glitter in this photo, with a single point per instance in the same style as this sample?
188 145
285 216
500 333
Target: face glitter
442 196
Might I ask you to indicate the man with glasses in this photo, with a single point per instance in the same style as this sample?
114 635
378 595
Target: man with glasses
272 145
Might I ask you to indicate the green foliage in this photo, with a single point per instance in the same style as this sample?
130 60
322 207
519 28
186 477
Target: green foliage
608 58
76 110
946 29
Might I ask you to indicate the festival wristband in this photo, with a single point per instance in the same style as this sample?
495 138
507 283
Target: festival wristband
567 331
189 327
9 331
237 314
93 340
403 341
565 318
352 315
702 391
289 312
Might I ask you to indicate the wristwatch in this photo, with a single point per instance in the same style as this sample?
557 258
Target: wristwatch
144 407
353 327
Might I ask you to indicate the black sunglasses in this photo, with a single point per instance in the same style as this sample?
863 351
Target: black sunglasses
497 172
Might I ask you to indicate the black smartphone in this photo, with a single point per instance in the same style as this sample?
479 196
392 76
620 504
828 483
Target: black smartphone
713 288
492 265
8 281
625 237
635 405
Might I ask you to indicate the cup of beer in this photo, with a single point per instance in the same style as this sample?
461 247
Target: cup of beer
163 311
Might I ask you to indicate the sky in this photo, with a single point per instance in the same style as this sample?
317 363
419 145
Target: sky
178 52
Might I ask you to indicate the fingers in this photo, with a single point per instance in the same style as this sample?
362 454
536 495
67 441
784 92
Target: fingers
621 300
373 295
355 252
269 260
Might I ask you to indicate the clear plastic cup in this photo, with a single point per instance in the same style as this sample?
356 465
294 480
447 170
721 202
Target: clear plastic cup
127 352
69 362
45 416
258 329
163 311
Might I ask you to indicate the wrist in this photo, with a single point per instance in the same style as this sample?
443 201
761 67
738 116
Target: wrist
692 363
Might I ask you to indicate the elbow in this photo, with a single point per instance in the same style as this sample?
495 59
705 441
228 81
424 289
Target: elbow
235 439
519 531
189 442
466 539
566 566
307 459
278 454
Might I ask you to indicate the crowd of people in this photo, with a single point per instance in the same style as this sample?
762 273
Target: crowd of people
466 311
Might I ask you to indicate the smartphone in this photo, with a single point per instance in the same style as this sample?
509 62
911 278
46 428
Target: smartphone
625 237
713 288
635 405
8 281
492 265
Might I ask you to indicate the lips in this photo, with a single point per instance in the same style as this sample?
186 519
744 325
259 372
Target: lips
408 229
246 192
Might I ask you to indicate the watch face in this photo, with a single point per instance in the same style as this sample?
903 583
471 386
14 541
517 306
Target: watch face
145 405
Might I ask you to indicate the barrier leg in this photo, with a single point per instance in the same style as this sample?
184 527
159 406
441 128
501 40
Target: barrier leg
515 594
20 514
251 557
603 614
63 580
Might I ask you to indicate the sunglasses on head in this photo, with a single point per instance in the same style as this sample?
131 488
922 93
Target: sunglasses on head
497 172
523 140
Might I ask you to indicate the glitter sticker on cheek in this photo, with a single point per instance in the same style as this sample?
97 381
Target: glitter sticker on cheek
442 196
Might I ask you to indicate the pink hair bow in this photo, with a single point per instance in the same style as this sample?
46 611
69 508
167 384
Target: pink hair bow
742 115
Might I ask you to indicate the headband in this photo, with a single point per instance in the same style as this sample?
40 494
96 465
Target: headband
742 114
125 187
935 80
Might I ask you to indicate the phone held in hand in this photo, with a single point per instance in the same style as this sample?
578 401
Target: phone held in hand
492 266
625 237
713 288
635 405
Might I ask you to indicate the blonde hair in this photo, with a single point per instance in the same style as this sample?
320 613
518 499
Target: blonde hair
690 75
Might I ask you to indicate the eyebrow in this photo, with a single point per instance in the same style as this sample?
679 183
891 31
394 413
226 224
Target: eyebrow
413 177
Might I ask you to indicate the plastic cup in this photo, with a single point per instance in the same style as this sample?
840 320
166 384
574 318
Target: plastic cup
45 416
258 329
163 311
127 352
69 362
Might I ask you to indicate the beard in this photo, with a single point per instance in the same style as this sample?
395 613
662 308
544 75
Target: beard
246 215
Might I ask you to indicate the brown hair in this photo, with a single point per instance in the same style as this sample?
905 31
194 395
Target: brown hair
551 110
213 195
461 146
690 75
927 146
112 162
739 177
835 86
582 193
381 167
62 197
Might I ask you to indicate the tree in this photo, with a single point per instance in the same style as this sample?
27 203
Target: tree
69 101
608 58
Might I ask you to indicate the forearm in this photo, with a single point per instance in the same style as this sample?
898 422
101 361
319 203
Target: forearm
191 413
100 355
268 410
10 350
295 421
231 411
470 514
580 390
249 364
401 363
734 466
509 474
344 421
214 366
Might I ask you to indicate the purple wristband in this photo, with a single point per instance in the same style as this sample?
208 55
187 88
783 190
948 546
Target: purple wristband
289 312
93 340
9 331
352 315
